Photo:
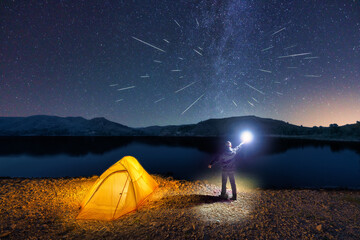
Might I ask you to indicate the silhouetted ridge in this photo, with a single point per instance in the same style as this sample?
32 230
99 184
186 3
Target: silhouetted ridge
42 125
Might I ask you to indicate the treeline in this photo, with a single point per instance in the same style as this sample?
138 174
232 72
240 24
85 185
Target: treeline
349 131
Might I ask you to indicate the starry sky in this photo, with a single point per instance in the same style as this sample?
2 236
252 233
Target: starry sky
143 63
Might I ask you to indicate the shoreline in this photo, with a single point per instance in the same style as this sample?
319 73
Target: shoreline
45 208
318 138
178 179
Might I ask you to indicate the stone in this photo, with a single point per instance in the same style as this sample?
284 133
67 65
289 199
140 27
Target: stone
319 227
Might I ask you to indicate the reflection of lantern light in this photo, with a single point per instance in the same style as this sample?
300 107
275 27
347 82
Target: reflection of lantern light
246 137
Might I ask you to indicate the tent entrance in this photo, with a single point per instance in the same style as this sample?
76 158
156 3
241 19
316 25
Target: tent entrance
110 196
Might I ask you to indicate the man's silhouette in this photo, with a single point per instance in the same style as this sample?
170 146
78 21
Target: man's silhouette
227 162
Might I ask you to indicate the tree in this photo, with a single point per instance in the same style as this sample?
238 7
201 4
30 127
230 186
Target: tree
334 128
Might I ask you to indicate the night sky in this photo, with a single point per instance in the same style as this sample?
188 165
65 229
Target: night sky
143 63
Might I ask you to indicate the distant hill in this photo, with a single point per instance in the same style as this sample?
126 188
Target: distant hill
228 127
42 125
260 126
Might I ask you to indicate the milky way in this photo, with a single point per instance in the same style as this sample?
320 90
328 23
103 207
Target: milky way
147 63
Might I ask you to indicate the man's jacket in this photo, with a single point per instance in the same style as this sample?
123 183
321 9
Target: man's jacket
227 158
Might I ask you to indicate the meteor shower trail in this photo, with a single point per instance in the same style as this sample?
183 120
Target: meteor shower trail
125 88
146 43
185 87
263 70
278 31
192 104
254 88
159 100
265 49
177 23
197 52
294 55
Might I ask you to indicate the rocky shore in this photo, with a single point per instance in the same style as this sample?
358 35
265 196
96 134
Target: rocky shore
47 208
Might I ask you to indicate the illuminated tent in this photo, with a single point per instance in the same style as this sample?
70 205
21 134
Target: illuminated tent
121 189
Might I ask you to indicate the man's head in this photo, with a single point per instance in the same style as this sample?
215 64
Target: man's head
228 144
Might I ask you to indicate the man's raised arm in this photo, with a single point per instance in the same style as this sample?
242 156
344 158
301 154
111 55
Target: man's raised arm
237 148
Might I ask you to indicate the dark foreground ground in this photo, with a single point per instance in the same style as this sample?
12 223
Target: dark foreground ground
47 208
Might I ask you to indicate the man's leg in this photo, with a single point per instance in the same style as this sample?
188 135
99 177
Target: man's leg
233 185
223 185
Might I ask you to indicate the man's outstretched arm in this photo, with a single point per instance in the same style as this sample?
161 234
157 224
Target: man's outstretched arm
237 148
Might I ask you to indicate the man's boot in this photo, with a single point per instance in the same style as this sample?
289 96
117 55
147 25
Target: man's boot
224 196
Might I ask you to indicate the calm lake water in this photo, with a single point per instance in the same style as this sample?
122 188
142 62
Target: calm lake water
265 163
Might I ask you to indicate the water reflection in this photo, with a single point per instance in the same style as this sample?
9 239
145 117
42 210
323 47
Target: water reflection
79 146
266 163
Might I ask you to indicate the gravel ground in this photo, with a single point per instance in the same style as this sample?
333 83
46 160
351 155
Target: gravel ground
47 208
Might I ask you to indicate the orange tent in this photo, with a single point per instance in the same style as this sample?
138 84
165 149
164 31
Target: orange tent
119 190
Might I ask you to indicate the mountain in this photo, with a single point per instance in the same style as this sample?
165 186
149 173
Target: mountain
42 125
228 127
260 126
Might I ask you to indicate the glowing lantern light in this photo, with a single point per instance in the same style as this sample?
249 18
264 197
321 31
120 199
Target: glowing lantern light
246 137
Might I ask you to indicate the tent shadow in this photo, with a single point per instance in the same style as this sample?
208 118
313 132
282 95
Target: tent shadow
192 200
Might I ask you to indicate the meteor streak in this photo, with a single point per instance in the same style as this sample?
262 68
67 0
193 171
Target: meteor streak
146 43
192 104
262 70
184 87
159 100
177 23
254 88
125 88
265 49
311 57
313 76
278 31
197 52
294 55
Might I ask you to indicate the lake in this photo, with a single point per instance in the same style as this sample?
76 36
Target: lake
267 162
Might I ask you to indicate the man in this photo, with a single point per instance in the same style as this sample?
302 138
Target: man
227 161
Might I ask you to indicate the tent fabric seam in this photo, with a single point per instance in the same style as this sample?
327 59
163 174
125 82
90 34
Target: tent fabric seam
102 183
